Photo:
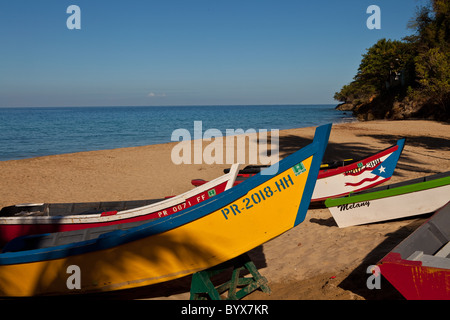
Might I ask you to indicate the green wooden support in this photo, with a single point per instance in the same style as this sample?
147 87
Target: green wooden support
202 287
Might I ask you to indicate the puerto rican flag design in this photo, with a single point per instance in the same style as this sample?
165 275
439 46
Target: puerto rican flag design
358 176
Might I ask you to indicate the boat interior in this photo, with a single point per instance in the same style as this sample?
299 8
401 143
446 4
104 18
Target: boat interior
254 169
47 240
430 243
64 209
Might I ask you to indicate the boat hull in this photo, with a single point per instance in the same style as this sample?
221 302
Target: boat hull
389 208
342 178
358 176
419 267
198 238
13 227
404 275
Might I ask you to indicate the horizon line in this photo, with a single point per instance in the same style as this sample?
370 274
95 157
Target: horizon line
187 105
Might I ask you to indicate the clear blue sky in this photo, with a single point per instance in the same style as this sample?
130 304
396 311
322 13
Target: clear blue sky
187 52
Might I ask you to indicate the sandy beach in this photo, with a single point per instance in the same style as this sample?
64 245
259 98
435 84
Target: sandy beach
315 260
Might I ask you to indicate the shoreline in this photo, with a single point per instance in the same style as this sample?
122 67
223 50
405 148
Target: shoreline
108 128
315 260
283 132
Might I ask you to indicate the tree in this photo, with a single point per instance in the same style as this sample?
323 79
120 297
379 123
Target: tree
422 63
382 60
379 65
433 72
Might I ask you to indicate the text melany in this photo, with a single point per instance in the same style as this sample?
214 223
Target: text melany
350 206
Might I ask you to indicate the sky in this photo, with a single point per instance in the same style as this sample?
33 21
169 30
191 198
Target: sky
187 52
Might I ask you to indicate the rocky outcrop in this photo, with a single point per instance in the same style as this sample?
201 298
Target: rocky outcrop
345 106
388 107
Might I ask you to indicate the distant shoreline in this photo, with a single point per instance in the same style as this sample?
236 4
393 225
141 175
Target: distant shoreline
175 106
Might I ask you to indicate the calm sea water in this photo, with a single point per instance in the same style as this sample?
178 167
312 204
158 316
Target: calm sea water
32 132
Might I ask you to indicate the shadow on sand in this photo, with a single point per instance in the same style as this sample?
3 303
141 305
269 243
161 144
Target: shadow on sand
175 287
342 151
356 280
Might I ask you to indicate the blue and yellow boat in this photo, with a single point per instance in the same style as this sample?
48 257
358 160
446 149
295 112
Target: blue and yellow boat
215 231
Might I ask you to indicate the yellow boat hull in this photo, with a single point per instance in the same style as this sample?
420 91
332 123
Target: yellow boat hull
175 246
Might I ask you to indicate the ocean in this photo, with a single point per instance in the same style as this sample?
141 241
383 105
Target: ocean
32 132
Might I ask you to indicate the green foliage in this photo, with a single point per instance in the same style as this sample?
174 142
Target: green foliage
383 60
418 66
432 63
383 64
432 25
433 72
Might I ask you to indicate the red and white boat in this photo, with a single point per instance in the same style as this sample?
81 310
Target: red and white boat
359 175
36 218
338 179
419 267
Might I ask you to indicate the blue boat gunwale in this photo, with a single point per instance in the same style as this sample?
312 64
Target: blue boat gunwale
316 149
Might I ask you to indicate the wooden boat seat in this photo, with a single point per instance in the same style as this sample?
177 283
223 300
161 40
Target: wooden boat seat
431 242
437 261
444 251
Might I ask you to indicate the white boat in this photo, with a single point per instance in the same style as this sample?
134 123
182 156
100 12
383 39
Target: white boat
35 218
340 178
359 175
400 200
